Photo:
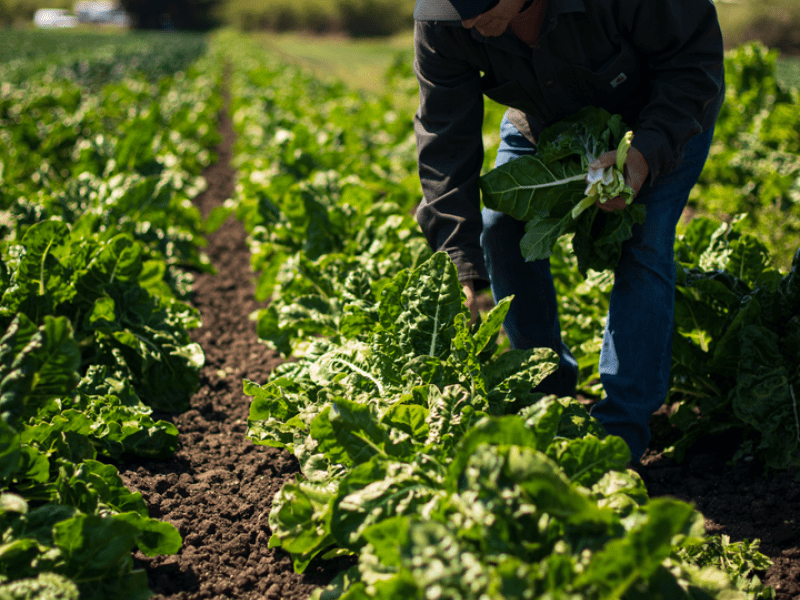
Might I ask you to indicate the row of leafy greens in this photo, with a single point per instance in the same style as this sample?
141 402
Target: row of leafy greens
425 452
754 164
96 234
423 449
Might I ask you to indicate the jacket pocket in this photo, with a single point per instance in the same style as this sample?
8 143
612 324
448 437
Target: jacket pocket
617 79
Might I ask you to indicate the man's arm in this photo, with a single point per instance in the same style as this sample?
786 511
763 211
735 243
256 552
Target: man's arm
448 127
685 58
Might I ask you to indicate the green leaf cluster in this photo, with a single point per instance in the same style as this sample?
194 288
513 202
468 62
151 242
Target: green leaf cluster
86 523
754 164
736 356
408 462
53 549
117 322
403 387
548 190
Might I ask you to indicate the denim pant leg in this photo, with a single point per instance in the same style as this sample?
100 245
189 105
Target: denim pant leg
637 344
532 321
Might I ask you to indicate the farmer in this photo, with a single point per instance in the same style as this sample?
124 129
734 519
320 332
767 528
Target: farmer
658 63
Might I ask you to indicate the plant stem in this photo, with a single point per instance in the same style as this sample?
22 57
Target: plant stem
581 177
794 405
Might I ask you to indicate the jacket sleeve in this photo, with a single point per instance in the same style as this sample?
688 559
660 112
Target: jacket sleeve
448 128
685 58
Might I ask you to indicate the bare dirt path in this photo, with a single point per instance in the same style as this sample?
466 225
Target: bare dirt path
739 499
217 489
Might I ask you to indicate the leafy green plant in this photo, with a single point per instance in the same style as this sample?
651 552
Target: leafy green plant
95 231
736 356
116 321
549 190
740 560
408 462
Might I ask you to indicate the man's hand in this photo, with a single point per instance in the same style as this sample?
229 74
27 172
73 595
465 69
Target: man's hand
636 171
472 301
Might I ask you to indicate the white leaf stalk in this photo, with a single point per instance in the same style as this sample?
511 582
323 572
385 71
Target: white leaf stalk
609 182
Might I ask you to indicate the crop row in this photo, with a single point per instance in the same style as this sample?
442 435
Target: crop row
422 448
97 232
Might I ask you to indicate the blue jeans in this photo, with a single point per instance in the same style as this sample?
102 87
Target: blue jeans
637 342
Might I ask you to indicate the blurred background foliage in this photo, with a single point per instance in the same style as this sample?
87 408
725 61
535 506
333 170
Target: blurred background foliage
774 22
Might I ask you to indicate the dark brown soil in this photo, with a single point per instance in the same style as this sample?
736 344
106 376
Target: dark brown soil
741 500
218 488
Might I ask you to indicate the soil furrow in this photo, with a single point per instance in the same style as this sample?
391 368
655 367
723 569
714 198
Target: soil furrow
217 489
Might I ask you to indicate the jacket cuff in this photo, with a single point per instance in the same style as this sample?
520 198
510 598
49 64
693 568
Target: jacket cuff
656 151
471 268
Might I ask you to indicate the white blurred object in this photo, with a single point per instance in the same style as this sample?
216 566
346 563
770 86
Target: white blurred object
54 17
103 12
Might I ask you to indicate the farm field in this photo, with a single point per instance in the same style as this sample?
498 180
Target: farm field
251 300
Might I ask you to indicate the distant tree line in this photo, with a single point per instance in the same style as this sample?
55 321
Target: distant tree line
193 15
357 18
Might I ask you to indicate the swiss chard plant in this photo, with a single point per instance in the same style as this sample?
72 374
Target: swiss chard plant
117 322
555 190
736 354
410 461
62 511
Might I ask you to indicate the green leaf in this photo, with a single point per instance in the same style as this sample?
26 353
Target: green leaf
586 460
300 520
45 368
541 235
117 261
408 418
450 415
510 430
765 398
623 562
94 546
491 325
41 279
155 537
420 307
378 490
350 433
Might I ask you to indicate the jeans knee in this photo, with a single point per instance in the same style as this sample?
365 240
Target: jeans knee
497 228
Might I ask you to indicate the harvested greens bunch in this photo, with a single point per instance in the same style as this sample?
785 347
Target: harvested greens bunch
549 190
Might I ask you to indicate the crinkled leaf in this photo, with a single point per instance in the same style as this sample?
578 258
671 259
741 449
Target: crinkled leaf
300 520
587 459
45 368
420 307
375 491
624 561
155 537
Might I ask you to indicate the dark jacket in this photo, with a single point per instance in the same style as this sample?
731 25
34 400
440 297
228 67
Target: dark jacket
659 63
